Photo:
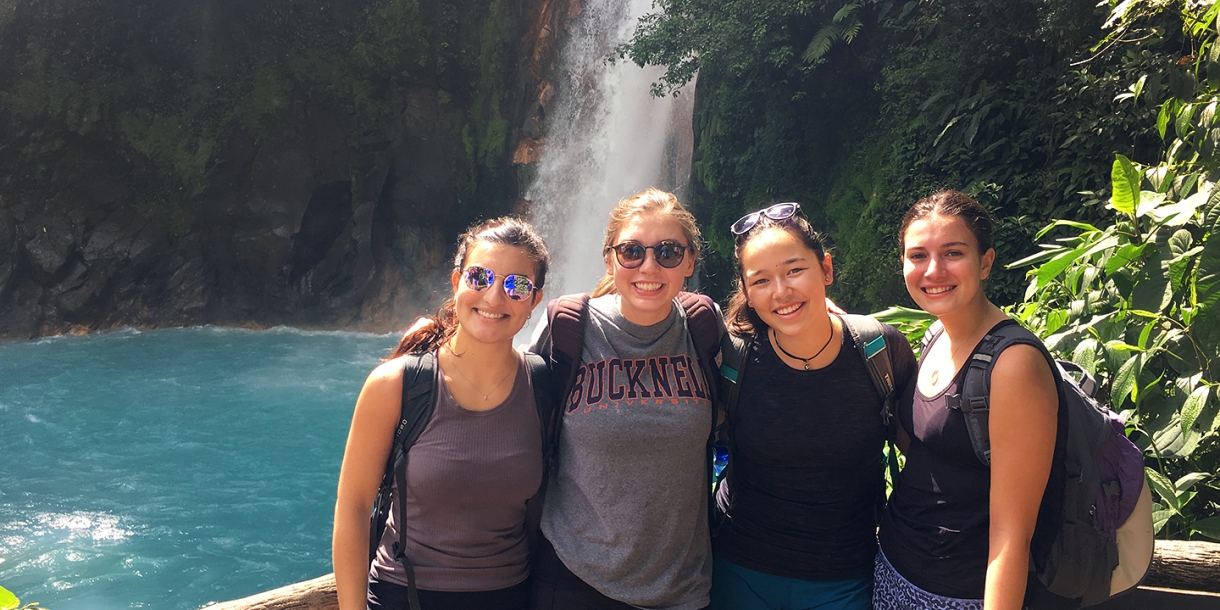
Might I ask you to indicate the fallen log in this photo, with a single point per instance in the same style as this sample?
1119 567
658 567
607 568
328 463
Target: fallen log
316 594
1182 564
1177 564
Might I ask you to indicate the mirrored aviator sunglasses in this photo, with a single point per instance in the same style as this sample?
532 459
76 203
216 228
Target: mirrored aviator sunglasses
777 212
516 287
630 254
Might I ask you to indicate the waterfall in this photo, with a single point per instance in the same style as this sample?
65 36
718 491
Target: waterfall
606 137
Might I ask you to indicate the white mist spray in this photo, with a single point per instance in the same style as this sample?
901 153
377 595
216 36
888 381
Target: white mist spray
606 137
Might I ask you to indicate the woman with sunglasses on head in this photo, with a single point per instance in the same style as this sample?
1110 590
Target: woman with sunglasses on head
956 533
477 461
805 474
625 522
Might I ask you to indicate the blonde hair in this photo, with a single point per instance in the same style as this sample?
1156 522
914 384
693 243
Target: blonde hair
651 201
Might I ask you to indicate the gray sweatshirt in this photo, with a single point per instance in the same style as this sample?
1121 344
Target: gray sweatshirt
627 508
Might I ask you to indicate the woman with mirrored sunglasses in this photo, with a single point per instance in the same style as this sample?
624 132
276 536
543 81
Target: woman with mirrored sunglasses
804 479
625 522
477 461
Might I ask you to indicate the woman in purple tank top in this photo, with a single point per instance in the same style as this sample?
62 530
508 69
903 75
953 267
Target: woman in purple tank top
957 533
476 462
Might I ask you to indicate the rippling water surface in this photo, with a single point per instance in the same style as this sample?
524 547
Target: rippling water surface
167 469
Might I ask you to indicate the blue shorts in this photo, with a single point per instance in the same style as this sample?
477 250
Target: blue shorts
738 588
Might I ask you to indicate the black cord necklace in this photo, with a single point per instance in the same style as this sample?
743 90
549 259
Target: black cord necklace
775 338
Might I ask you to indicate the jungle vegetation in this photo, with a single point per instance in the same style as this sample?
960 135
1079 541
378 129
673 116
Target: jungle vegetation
1089 128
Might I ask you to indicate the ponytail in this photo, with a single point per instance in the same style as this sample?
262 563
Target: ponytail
428 333
604 286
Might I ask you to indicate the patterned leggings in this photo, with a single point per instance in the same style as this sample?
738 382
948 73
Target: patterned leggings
893 592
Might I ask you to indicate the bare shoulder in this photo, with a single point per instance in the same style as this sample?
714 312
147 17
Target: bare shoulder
388 371
1022 362
384 384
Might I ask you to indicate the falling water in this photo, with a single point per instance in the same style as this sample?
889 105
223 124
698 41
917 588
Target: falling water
606 138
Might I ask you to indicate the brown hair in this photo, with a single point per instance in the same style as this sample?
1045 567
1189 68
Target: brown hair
948 202
741 319
506 230
651 201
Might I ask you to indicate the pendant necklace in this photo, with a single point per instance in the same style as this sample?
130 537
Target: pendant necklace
935 376
775 338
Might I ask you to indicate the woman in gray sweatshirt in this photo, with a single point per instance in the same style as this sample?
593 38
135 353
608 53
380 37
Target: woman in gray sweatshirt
625 519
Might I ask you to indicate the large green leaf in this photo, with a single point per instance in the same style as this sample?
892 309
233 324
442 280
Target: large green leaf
1204 335
1163 487
1209 527
1085 355
1036 258
1173 441
1052 268
1125 182
1149 201
1180 251
1190 480
1124 381
1163 117
1194 405
8 601
1123 257
1207 276
1152 289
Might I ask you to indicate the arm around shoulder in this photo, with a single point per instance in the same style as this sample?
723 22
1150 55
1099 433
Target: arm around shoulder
368 446
1024 404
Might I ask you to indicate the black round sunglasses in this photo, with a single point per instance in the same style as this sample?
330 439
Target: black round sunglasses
631 254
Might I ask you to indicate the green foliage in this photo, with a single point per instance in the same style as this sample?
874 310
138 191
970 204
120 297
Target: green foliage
1005 99
159 93
1137 302
1123 301
8 601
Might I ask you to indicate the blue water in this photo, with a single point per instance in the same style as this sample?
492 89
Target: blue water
168 469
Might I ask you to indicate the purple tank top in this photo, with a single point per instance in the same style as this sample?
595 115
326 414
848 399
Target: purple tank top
468 478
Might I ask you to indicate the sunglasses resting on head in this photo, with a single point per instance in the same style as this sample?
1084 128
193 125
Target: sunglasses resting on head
778 212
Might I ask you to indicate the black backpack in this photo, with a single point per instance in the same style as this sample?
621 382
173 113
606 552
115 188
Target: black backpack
418 402
867 334
1099 542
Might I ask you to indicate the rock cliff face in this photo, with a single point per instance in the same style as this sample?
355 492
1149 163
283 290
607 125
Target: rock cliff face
321 193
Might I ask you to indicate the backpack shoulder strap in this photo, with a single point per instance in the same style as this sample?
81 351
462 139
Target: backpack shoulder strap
544 398
974 398
869 336
418 391
548 410
934 330
703 322
567 317
733 354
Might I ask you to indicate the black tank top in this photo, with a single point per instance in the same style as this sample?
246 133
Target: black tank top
935 530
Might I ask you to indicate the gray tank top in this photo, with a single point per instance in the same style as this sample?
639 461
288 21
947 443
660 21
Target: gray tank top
468 477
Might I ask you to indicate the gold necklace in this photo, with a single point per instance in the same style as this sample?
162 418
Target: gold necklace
452 360
935 376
